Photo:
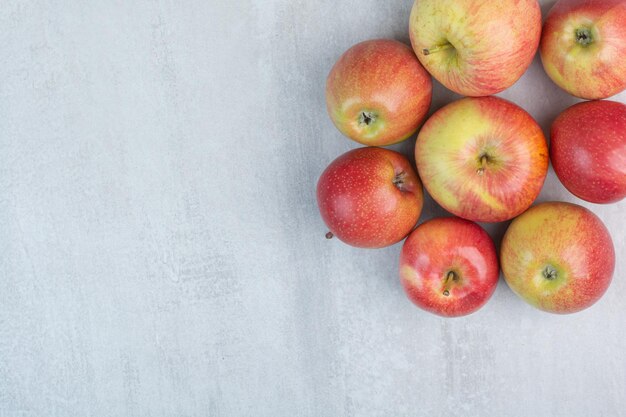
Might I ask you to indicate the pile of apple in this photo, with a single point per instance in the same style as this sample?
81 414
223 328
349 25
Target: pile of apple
482 158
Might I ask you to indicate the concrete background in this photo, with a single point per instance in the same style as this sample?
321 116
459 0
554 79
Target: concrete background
162 253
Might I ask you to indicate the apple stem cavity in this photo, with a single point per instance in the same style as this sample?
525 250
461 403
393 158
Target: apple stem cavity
437 48
550 273
367 118
329 235
583 36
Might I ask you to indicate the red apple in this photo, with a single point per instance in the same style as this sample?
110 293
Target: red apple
583 47
370 197
484 159
378 93
475 47
588 150
558 257
449 266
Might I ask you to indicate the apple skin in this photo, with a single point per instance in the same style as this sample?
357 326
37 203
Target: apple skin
378 93
490 44
558 257
588 150
583 47
484 159
370 197
449 266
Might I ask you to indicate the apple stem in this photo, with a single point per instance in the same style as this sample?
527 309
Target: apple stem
329 235
450 278
437 48
483 161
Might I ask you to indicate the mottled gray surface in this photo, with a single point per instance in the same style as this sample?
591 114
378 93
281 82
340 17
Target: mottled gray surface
162 253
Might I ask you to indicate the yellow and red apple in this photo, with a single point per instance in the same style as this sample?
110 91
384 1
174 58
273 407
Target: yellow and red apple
484 159
370 197
583 47
557 256
449 266
378 93
475 47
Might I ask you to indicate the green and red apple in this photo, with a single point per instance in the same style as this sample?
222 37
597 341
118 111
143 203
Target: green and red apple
370 197
588 150
475 47
583 47
484 159
558 257
378 93
449 266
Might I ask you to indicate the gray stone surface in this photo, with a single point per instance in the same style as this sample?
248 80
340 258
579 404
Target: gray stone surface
162 253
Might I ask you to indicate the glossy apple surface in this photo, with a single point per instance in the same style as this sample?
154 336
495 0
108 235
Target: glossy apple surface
475 47
449 266
370 197
378 93
484 159
588 150
558 257
583 47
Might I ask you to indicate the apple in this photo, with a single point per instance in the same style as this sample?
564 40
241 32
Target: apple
449 266
588 150
484 159
370 197
558 257
475 47
583 47
378 93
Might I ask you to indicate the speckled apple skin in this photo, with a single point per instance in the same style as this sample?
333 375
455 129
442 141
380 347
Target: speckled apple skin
448 149
495 41
588 150
438 246
568 237
361 205
381 76
594 71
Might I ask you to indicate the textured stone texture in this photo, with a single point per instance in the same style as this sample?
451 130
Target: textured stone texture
162 253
